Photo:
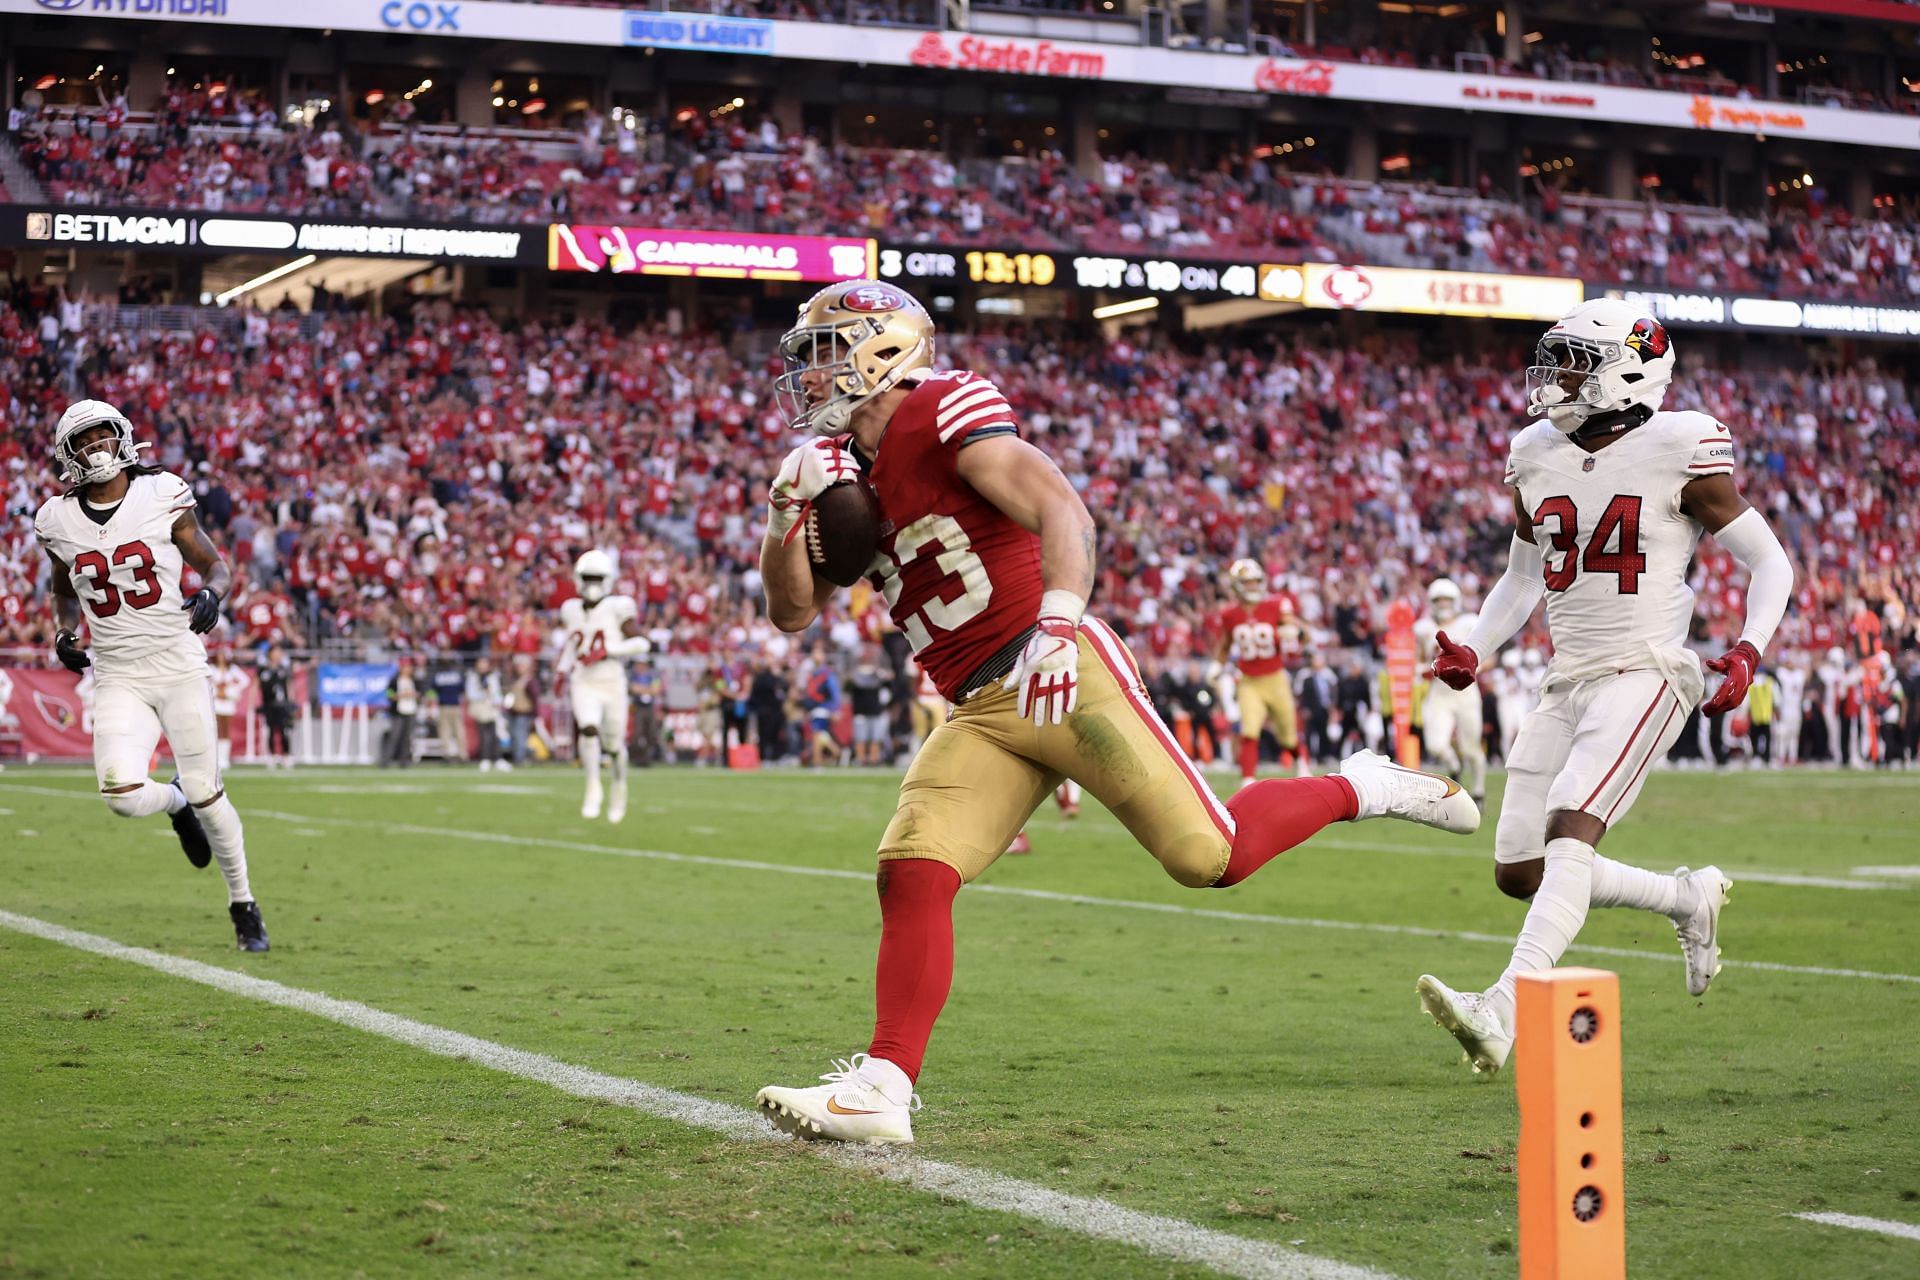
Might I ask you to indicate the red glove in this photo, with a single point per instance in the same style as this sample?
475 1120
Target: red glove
1456 665
1737 665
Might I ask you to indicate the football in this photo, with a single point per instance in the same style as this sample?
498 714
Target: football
843 530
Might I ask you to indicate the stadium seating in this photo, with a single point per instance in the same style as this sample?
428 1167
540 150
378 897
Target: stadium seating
426 483
693 172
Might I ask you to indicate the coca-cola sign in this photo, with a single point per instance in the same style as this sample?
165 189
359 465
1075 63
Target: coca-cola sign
1288 75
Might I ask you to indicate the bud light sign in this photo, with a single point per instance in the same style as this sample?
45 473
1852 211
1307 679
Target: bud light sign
699 31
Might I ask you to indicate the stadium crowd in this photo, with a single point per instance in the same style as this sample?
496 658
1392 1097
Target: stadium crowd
697 171
422 483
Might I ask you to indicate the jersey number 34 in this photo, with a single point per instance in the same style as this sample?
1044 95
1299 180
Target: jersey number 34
1620 520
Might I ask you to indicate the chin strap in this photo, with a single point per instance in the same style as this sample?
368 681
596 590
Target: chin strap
1606 424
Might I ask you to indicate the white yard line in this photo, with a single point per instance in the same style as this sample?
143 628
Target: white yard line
1669 956
1881 1226
1798 878
1165 1237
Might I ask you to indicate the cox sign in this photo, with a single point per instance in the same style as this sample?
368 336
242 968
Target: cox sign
419 15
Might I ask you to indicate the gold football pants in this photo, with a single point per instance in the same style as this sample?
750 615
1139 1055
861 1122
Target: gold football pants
1269 697
982 773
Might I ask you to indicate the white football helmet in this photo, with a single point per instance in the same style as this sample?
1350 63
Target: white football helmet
1605 356
593 575
1443 600
1248 580
96 464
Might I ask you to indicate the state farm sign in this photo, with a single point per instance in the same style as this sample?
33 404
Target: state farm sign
1303 79
1017 57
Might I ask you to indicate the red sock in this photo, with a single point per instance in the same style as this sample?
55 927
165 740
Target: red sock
1275 815
1249 757
916 958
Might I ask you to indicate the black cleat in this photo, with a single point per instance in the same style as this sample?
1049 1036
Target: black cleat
248 928
193 837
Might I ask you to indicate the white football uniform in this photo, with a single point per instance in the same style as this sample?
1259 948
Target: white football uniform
150 670
596 683
1451 724
229 687
1622 681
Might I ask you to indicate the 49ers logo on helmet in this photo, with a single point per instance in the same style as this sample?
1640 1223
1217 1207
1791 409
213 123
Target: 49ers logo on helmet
873 297
1649 338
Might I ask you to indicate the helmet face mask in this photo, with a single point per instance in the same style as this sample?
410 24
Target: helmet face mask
593 576
90 464
1443 600
1247 580
852 341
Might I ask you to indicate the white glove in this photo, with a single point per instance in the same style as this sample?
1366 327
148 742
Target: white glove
810 470
1047 673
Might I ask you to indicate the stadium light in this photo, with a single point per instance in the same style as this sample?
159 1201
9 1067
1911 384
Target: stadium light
304 260
1113 309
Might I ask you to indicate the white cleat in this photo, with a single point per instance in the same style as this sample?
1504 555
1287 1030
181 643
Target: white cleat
1471 1019
853 1106
590 806
616 802
1389 790
1699 931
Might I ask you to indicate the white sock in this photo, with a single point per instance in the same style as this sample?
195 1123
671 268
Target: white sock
888 1079
1615 884
222 822
617 767
1554 917
590 757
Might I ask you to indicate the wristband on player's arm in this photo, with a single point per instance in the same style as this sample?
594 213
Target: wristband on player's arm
1063 604
1753 543
1512 600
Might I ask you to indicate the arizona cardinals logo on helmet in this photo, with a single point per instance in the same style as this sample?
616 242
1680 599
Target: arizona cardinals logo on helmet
1649 338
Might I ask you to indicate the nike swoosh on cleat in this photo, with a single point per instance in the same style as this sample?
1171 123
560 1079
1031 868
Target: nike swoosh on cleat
837 1109
1453 788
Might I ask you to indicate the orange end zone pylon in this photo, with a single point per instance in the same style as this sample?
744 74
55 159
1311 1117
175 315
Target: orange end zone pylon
1573 1207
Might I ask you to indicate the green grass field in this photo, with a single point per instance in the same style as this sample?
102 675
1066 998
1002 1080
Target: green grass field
1263 1071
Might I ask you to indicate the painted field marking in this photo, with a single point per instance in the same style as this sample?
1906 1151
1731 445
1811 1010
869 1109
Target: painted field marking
1880 1226
1097 1219
1011 891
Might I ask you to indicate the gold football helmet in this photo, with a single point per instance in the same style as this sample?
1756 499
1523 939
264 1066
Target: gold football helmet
858 338
1248 580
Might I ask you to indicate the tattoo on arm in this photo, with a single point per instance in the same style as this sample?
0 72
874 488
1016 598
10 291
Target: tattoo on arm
1088 541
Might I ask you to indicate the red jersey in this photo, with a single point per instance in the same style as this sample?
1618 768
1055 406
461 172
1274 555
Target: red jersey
1256 632
960 578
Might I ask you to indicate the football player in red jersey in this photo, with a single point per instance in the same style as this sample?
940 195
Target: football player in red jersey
1252 628
986 560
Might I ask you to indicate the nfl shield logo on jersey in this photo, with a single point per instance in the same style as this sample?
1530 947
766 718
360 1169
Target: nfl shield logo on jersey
1588 464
